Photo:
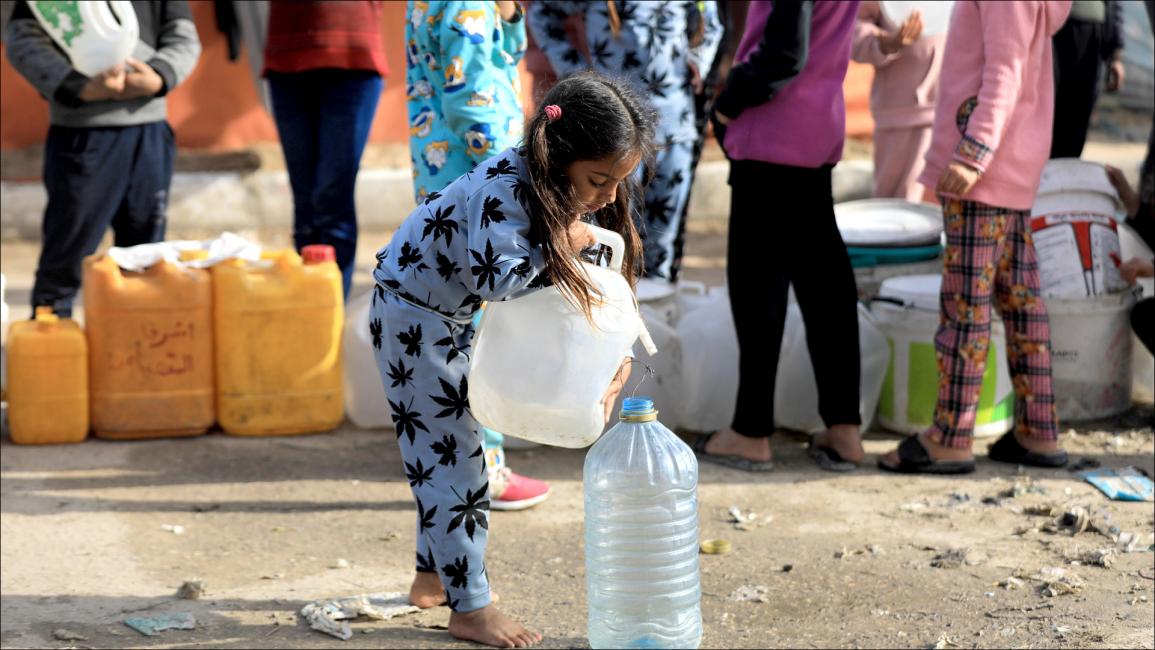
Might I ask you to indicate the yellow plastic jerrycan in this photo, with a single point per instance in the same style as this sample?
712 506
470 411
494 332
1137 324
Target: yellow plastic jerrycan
150 349
278 325
48 366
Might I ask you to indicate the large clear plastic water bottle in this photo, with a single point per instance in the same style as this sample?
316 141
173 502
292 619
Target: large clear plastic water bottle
641 519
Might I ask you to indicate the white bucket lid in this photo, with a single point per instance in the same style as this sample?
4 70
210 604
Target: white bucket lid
649 290
1076 175
918 291
888 222
935 15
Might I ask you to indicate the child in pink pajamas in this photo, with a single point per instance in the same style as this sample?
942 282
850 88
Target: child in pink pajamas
992 137
902 97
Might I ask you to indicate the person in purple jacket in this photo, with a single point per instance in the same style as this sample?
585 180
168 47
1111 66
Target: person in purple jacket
781 120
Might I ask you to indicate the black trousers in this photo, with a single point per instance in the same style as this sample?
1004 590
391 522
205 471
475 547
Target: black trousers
1078 60
783 233
96 178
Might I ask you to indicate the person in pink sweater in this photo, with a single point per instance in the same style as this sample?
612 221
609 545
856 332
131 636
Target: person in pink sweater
902 97
992 137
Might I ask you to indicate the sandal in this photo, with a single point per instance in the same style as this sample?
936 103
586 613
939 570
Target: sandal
1008 450
829 459
913 458
735 462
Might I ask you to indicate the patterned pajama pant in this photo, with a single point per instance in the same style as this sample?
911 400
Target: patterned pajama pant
663 210
990 256
423 361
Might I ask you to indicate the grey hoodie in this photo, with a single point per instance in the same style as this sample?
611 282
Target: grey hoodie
168 43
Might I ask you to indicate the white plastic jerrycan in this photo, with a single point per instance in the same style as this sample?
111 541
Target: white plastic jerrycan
95 35
540 369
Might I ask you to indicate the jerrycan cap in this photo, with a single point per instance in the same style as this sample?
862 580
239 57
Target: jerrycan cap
318 253
46 316
638 409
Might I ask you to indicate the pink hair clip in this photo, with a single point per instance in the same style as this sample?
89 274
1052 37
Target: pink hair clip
553 112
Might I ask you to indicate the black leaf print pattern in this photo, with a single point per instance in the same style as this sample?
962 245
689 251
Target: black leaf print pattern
411 340
451 343
657 83
458 571
418 474
676 179
524 269
471 510
480 453
432 196
490 211
659 209
455 401
375 332
502 167
446 267
426 564
405 421
447 449
410 256
400 375
426 519
488 266
380 292
520 192
601 53
539 281
440 225
472 300
631 61
572 57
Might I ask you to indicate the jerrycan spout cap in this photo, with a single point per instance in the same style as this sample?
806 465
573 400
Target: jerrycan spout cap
46 317
638 409
318 253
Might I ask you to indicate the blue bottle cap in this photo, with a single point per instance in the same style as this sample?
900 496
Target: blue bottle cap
638 409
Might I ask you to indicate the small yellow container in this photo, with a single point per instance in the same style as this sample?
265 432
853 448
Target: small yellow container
278 353
48 392
150 349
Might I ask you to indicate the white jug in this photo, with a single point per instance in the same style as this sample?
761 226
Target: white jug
95 35
540 369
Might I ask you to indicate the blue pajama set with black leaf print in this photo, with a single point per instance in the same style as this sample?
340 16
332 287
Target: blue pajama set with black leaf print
652 48
466 244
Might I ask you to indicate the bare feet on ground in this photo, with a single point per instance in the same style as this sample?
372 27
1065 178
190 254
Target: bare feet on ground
728 442
845 439
489 626
427 591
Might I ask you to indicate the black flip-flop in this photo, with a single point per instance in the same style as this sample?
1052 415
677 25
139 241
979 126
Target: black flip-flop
828 459
914 459
1008 450
735 462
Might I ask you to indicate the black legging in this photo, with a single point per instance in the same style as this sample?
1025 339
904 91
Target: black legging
782 233
1077 64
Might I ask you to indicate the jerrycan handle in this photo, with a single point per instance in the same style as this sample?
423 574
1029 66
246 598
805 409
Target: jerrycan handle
614 242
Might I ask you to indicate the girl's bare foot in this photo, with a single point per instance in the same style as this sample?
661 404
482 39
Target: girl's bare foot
728 442
489 626
1036 445
427 591
844 439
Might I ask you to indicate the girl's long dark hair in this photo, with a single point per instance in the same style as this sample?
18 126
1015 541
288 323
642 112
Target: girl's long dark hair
601 117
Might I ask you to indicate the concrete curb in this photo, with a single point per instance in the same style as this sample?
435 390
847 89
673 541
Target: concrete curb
203 204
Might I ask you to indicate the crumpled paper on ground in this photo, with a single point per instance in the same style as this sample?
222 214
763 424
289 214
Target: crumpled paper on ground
227 246
332 616
153 625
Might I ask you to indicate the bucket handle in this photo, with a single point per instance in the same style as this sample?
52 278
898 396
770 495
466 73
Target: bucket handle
614 242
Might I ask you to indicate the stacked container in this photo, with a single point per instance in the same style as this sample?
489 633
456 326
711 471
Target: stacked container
48 401
150 345
278 354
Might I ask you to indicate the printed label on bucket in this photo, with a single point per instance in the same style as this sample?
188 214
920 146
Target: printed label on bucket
1074 251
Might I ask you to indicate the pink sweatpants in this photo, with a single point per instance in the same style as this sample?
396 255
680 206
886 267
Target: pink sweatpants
898 162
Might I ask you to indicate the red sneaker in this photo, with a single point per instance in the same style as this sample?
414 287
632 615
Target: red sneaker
518 492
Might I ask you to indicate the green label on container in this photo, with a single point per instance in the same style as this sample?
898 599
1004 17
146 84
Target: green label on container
63 16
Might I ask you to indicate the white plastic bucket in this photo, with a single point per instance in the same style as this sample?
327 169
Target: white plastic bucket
1074 226
935 14
660 297
95 35
365 403
1091 355
907 312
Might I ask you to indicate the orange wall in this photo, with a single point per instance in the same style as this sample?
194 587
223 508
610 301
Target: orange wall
217 107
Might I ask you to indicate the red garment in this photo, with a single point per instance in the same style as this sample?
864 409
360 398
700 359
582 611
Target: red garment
310 35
